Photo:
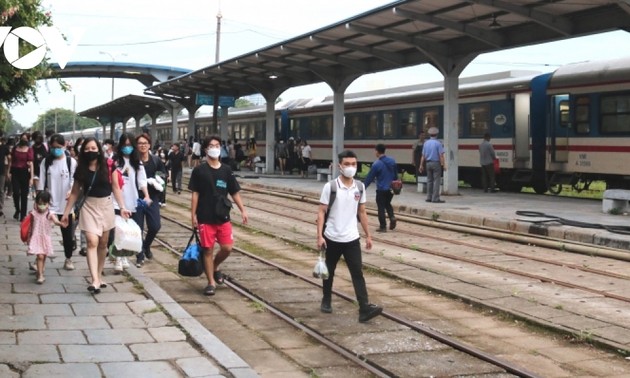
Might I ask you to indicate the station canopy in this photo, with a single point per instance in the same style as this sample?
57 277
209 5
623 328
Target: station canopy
405 33
123 108
146 74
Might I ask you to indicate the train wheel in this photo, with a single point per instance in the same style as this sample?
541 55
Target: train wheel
554 189
540 188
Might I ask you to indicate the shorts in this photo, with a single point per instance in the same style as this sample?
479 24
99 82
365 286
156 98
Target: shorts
221 233
97 215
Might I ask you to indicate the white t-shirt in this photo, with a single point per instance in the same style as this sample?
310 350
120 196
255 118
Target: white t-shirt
130 187
342 224
306 152
196 148
59 182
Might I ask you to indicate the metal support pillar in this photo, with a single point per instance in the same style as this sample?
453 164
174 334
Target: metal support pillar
224 123
451 136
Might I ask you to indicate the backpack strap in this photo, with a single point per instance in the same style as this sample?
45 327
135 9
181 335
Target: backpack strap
47 166
333 196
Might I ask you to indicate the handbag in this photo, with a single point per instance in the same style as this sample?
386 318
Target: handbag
321 270
26 228
497 167
223 205
190 264
396 186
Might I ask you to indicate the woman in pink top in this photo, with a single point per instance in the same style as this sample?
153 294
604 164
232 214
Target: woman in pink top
21 176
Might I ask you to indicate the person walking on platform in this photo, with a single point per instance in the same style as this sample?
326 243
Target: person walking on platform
433 157
384 170
21 175
56 176
337 232
96 216
4 155
416 153
210 183
176 167
40 240
486 159
153 168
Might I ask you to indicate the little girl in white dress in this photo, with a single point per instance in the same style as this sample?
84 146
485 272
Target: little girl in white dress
40 241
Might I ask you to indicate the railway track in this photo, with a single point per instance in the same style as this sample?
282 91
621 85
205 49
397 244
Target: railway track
298 232
384 359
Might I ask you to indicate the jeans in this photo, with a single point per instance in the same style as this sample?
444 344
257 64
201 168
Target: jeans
384 204
351 252
152 215
176 176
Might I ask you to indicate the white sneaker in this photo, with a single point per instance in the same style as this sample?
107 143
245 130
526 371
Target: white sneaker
118 266
68 265
125 262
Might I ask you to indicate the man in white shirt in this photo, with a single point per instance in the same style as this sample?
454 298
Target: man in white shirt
56 175
338 233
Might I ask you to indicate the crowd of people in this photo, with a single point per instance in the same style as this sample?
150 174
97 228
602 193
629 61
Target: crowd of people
82 186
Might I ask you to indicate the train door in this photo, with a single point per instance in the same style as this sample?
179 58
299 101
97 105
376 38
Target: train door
559 129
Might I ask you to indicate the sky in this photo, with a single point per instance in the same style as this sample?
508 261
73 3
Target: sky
182 34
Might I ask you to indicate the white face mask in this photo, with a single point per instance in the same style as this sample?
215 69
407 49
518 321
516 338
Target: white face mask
348 172
214 152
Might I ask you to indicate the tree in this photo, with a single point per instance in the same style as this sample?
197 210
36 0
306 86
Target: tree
64 119
8 125
242 103
17 86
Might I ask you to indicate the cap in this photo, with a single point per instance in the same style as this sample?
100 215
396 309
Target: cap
434 131
291 138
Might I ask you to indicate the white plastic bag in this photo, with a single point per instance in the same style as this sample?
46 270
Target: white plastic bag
128 236
321 270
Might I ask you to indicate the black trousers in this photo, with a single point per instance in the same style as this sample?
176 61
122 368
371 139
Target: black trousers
384 204
351 252
19 182
67 236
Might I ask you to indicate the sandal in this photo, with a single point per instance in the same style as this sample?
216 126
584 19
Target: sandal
209 290
219 278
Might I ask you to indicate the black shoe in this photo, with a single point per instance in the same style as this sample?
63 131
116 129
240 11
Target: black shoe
368 312
148 254
83 252
428 200
326 307
16 215
381 229
392 223
438 201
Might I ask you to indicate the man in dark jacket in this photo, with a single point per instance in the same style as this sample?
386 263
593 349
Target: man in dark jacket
384 170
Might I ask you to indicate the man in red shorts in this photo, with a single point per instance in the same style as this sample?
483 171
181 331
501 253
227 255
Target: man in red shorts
210 183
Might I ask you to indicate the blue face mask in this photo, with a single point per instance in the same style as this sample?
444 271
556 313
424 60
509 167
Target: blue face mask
57 152
127 150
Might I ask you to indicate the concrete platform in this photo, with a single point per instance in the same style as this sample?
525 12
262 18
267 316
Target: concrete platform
129 329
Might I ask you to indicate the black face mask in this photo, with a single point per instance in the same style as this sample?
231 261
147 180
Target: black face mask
22 143
91 155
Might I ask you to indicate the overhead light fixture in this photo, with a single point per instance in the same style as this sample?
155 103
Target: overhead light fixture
494 24
273 76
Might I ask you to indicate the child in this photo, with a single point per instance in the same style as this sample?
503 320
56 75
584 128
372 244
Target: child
40 242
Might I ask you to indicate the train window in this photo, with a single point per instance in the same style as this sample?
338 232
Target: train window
260 130
430 119
389 125
354 126
479 119
563 108
615 115
321 127
371 131
408 124
582 115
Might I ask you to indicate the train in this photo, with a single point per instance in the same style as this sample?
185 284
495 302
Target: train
566 127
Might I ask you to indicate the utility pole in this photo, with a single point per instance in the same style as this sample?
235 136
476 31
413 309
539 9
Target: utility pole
215 105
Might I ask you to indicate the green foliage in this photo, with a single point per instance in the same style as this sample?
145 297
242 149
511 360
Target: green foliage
242 103
64 119
16 85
